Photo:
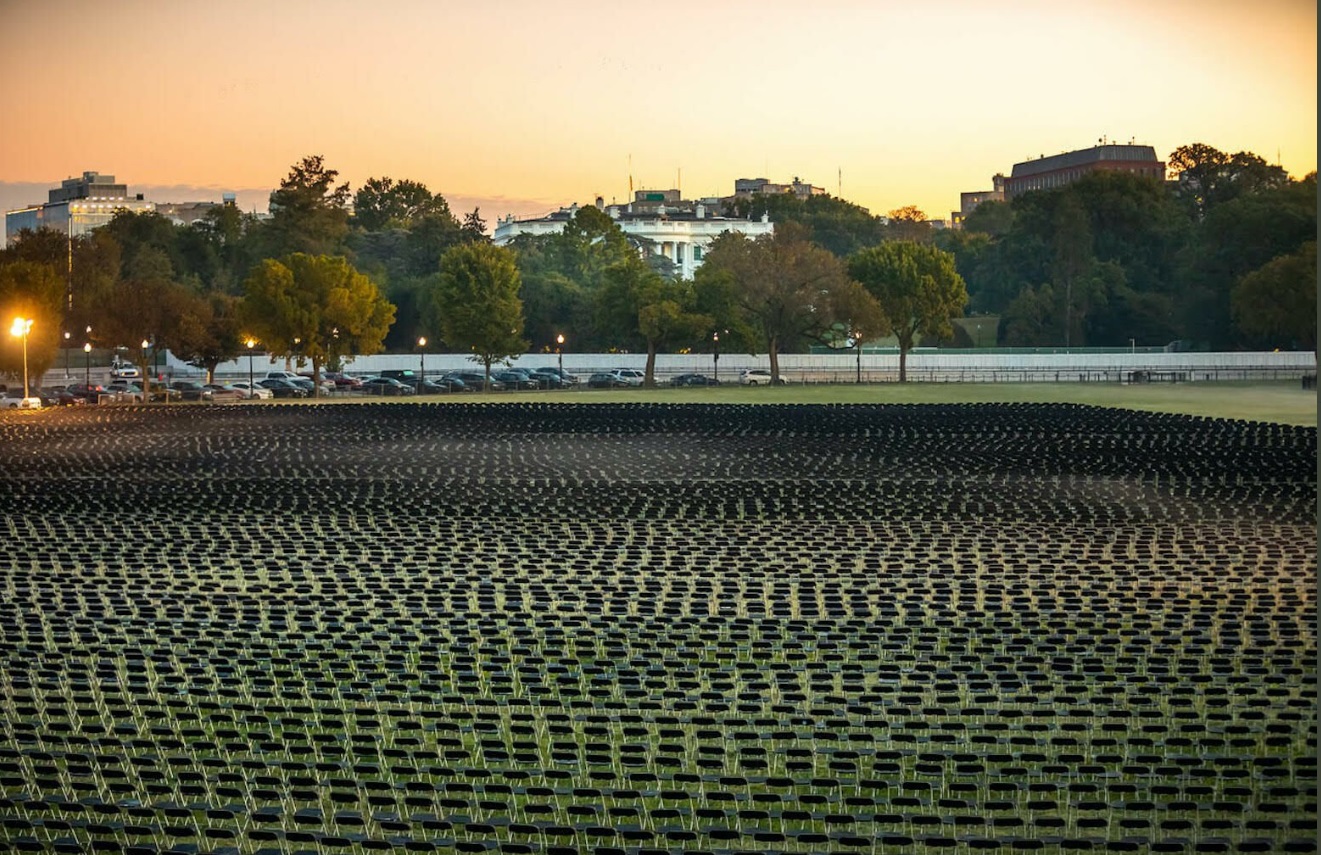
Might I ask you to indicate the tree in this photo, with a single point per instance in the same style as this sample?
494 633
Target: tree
908 223
1276 303
784 287
141 308
315 307
917 287
384 203
308 213
32 290
639 301
475 298
474 227
834 224
209 331
1208 177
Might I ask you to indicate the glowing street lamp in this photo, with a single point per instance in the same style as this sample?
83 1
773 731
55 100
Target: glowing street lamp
87 351
252 389
421 362
66 354
559 355
21 327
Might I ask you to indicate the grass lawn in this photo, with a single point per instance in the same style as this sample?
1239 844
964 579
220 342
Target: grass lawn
1283 401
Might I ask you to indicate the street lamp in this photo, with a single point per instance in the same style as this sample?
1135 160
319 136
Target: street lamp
559 355
715 357
21 328
87 351
857 345
421 362
252 389
66 354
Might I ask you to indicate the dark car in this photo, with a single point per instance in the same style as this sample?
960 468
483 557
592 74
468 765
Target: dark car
343 382
476 381
282 388
385 386
191 390
515 380
561 378
543 381
604 380
443 386
88 393
693 380
60 396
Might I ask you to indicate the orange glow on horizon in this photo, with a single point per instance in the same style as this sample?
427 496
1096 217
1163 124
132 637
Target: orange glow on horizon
885 103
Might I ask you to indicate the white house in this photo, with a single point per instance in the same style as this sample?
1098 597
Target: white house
680 231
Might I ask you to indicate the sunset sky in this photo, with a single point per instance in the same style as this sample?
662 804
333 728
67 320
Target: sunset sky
520 106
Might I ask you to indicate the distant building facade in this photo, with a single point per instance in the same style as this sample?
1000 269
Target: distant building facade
1048 173
745 188
77 206
968 202
657 222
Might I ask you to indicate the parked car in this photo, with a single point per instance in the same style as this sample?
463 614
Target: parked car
157 391
281 388
125 392
255 392
476 381
543 381
328 386
604 380
88 393
443 386
60 396
191 390
280 375
385 386
564 378
342 381
124 371
515 380
758 377
693 380
13 400
629 376
226 392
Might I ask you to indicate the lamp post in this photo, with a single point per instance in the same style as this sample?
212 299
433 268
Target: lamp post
421 362
559 356
87 352
252 389
21 327
66 354
857 345
715 357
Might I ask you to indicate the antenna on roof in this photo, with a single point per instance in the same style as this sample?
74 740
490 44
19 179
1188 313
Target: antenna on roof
841 182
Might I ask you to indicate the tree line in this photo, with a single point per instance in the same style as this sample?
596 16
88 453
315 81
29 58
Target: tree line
1224 257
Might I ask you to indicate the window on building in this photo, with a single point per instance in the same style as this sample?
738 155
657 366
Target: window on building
697 253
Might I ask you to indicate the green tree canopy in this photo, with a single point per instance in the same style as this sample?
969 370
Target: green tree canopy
639 302
315 307
476 302
35 291
385 203
309 212
785 289
835 224
1276 304
917 287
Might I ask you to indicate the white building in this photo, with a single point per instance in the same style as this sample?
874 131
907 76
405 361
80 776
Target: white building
77 206
680 232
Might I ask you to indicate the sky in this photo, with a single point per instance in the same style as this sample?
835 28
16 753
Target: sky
521 106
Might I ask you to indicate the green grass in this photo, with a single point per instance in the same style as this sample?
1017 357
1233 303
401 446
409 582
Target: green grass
1284 402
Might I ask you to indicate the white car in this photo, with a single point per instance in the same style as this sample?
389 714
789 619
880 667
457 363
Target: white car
758 377
253 391
628 376
124 371
13 400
